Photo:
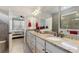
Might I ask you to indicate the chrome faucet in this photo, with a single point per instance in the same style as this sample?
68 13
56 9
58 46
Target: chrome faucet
61 34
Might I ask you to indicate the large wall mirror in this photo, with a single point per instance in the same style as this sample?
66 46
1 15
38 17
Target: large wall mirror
43 22
69 17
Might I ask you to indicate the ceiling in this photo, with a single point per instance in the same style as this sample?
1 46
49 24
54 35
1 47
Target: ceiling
46 11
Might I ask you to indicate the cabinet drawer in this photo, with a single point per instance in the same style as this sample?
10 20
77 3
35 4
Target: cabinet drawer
40 46
40 49
40 41
33 42
32 46
54 49
28 34
33 49
29 42
33 38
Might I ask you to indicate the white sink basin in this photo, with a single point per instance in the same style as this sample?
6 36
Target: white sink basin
54 38
69 45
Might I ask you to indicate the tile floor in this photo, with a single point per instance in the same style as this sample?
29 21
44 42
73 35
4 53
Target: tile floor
18 46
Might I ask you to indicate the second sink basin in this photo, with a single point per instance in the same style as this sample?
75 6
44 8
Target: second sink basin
54 38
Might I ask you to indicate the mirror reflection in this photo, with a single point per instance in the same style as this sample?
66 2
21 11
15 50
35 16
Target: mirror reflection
70 18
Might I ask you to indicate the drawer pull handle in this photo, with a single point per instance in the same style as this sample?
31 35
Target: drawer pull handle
43 49
46 52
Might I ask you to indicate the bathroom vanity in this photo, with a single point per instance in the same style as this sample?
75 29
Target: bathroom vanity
45 43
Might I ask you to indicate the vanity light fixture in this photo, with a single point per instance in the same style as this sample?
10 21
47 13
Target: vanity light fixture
37 11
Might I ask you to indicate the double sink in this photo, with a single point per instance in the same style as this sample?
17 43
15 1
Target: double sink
62 41
66 44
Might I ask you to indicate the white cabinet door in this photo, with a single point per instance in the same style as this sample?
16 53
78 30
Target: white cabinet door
40 49
40 45
50 48
32 43
28 35
28 38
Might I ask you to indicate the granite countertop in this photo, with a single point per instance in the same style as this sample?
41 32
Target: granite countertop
64 43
